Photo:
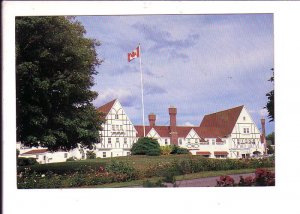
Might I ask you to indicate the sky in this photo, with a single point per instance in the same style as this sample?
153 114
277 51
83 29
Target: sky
198 63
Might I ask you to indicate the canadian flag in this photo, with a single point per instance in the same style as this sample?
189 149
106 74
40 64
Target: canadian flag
134 54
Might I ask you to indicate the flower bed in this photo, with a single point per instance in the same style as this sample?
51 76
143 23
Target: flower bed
96 172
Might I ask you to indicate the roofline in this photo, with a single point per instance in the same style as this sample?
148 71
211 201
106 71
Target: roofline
224 110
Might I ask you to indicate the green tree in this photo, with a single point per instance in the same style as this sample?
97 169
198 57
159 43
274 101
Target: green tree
271 137
90 155
146 146
270 103
55 65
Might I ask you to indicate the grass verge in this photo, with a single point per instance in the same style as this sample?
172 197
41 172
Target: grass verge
138 183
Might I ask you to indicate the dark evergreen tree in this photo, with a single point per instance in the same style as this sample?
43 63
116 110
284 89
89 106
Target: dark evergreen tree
146 146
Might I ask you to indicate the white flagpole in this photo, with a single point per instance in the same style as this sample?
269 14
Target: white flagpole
142 88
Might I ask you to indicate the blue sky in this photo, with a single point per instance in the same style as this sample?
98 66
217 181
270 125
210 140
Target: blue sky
199 63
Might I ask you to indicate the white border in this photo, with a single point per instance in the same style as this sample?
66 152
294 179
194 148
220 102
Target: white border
283 197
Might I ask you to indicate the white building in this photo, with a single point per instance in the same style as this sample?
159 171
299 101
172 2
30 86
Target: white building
226 134
231 133
42 155
118 133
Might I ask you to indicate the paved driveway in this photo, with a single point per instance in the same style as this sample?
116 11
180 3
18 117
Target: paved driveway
207 182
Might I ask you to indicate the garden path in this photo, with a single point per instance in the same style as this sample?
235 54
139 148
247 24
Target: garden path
207 182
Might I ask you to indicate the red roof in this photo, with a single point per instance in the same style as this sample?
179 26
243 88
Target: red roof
219 140
183 131
203 153
164 131
106 108
220 123
140 130
220 153
35 151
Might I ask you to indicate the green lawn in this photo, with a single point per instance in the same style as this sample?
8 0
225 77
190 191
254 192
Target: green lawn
138 183
132 170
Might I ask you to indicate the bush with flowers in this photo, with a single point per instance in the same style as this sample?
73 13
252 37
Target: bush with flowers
263 177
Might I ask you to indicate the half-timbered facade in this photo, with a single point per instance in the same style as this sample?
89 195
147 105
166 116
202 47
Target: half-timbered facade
231 133
117 134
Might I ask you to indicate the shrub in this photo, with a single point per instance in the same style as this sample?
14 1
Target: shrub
158 183
225 181
63 168
262 177
146 146
178 150
26 161
166 150
90 155
122 169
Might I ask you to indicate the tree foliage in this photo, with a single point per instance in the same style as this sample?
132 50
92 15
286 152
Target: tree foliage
271 137
178 150
146 146
55 65
270 103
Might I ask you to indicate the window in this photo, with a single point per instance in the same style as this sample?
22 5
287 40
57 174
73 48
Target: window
104 154
244 118
117 140
213 141
117 116
196 141
180 141
66 155
125 140
166 141
44 157
121 127
113 127
109 140
117 127
246 130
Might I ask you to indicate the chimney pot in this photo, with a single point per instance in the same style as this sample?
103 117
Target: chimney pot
152 118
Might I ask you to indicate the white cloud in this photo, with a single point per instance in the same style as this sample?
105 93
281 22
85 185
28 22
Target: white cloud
188 124
263 112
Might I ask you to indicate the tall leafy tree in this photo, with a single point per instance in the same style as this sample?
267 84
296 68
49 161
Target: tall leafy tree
55 65
270 103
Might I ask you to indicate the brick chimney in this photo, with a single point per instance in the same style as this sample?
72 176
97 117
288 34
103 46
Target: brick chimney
173 131
263 134
152 118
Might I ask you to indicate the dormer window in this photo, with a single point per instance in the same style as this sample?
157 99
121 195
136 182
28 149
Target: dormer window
116 116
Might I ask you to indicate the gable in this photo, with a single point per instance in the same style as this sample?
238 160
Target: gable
153 134
112 109
192 134
245 121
